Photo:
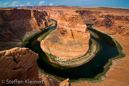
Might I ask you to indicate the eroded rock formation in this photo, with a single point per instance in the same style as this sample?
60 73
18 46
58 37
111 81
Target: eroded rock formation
89 16
48 81
18 24
18 63
70 39
65 83
113 24
54 14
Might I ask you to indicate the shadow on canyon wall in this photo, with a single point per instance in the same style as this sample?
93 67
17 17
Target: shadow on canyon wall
18 24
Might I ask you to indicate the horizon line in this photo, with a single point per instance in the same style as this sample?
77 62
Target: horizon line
64 5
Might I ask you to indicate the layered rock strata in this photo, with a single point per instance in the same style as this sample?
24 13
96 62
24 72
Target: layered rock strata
20 64
70 39
118 73
116 26
113 24
18 24
54 14
48 81
89 16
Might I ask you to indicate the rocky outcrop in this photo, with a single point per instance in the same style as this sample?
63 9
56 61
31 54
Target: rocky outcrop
70 39
54 14
113 24
65 83
17 24
89 16
20 64
48 81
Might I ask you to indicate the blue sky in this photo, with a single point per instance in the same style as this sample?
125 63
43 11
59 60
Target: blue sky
84 3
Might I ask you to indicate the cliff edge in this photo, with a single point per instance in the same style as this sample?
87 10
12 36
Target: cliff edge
18 63
18 24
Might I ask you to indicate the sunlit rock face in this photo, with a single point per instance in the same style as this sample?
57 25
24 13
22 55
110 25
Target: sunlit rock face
89 15
71 26
70 39
54 14
113 24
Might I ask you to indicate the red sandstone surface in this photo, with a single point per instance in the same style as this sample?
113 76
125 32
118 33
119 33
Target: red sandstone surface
113 24
70 39
17 25
18 63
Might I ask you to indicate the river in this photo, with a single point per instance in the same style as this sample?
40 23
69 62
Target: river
89 70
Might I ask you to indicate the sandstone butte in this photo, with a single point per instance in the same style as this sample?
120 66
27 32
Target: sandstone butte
70 39
117 75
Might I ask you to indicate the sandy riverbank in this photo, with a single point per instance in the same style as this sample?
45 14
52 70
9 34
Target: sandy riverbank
93 49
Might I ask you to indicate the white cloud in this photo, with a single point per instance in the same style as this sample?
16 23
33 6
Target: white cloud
51 4
6 4
22 5
15 3
28 3
41 2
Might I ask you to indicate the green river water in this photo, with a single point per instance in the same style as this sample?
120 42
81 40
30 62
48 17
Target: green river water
108 49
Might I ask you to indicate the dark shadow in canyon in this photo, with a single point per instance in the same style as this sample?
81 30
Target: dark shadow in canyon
17 25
